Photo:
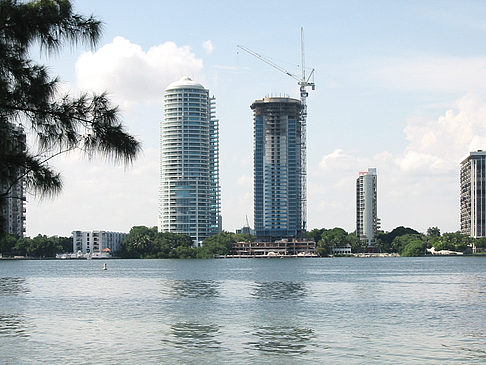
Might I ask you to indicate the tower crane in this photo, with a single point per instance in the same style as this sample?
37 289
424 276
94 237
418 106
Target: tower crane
304 82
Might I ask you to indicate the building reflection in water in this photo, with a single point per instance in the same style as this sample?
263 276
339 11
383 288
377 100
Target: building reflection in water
13 286
195 288
282 340
279 290
194 336
13 325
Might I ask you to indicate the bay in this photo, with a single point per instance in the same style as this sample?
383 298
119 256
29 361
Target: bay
267 311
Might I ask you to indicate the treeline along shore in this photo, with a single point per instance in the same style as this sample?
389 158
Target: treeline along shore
147 243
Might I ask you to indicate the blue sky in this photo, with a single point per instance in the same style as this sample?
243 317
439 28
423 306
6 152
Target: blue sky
399 86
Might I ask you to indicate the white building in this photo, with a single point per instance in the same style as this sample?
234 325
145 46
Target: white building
97 241
342 250
473 194
367 222
189 162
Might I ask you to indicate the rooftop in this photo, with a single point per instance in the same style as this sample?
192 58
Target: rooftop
185 82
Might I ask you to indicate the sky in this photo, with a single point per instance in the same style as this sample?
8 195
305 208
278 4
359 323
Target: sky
400 86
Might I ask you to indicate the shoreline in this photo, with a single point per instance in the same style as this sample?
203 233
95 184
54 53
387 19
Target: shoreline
354 255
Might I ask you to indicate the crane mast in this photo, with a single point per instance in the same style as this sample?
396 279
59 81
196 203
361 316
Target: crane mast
303 82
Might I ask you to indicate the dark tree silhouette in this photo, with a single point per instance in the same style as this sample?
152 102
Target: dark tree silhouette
29 99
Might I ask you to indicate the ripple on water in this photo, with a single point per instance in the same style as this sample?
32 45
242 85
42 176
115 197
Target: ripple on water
282 340
193 336
13 286
279 290
13 325
194 288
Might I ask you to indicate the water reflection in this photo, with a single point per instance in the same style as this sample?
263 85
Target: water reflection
279 290
193 335
12 325
195 288
13 286
282 340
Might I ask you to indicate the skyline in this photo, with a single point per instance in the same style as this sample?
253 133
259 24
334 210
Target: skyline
398 87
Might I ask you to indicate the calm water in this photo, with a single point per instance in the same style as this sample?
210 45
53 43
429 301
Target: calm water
265 311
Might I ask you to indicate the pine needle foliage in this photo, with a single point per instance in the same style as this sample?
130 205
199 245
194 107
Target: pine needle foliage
29 97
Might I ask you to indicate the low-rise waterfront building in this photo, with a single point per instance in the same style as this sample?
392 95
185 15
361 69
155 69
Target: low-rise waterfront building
342 250
92 242
282 247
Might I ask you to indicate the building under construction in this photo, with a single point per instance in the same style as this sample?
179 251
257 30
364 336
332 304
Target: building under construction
278 193
280 158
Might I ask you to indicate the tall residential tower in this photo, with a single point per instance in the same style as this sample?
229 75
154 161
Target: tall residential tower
367 222
278 193
12 185
473 194
189 162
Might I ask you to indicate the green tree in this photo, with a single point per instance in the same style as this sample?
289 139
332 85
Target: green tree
480 243
455 241
39 246
315 234
29 98
173 245
66 243
400 242
416 247
220 244
22 246
335 236
139 242
144 242
331 238
433 232
356 245
7 244
43 246
384 240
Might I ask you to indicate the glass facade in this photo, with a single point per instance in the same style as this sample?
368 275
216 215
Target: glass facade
189 162
277 168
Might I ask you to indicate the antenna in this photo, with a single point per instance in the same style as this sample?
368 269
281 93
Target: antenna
303 83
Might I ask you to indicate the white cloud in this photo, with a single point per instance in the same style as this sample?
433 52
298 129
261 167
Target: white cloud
208 46
98 195
132 75
438 145
418 187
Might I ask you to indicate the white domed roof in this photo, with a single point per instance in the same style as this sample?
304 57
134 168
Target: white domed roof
184 83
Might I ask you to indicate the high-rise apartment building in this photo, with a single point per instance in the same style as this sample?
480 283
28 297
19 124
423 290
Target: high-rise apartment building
189 162
277 168
473 194
12 186
367 222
